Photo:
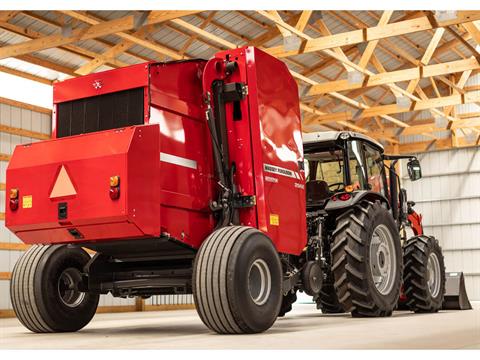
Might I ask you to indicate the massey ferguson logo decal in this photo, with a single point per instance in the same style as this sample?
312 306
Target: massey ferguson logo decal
97 84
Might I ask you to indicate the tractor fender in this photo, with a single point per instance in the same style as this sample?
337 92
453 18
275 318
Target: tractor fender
356 198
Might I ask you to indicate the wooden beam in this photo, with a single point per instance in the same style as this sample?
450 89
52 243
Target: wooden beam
79 34
395 109
25 75
2 187
203 33
13 246
2 216
110 54
370 48
303 20
70 48
398 76
7 15
5 275
157 17
424 146
4 157
22 132
194 37
473 28
374 33
437 36
25 106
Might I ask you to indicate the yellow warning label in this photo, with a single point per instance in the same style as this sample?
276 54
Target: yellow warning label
27 201
274 219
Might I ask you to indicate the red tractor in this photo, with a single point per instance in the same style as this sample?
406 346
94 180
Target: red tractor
356 206
189 177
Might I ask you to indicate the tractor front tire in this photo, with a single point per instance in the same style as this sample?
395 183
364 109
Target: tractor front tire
424 274
237 281
327 301
367 260
44 291
287 302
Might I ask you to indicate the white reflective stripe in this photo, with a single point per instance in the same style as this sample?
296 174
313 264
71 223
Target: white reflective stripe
177 160
280 171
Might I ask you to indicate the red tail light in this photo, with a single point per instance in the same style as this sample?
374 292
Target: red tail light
13 199
114 187
344 197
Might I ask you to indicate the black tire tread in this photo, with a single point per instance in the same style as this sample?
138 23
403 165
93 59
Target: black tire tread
415 254
21 290
350 284
327 300
215 311
287 302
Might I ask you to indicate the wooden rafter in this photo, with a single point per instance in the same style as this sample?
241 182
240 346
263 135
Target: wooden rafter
398 76
374 33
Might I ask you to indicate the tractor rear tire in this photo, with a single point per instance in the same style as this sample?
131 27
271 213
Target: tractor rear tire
424 274
44 291
237 281
328 302
287 302
367 260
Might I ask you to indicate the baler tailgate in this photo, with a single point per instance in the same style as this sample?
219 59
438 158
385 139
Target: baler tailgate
64 187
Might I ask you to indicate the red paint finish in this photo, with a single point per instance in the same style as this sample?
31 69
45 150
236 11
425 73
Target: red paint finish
268 138
166 170
90 160
415 220
105 82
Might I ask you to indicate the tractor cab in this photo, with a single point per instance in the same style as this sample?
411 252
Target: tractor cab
342 162
343 167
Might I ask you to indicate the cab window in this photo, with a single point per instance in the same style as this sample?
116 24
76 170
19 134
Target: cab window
375 169
356 165
325 166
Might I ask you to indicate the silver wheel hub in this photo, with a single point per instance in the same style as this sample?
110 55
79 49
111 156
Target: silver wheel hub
68 287
433 274
383 262
259 282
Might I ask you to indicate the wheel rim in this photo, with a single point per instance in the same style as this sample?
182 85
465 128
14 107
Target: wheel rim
433 274
383 263
259 282
68 287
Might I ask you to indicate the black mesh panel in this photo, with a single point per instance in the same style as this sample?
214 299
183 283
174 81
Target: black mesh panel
103 112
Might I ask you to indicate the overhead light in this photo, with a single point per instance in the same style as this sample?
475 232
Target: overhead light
445 15
291 43
441 121
355 77
471 136
403 102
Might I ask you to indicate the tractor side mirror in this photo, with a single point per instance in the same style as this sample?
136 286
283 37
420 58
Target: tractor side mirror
414 169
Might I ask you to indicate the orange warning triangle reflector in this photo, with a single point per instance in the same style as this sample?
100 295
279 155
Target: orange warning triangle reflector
63 185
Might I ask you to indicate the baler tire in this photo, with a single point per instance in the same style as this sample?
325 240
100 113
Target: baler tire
35 294
416 253
352 268
328 302
287 302
221 275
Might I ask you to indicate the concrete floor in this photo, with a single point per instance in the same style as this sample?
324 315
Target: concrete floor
303 328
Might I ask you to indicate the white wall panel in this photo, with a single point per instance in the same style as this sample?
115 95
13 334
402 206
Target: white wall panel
448 197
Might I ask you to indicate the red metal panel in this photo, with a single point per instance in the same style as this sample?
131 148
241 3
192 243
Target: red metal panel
268 137
90 161
277 114
186 169
101 83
